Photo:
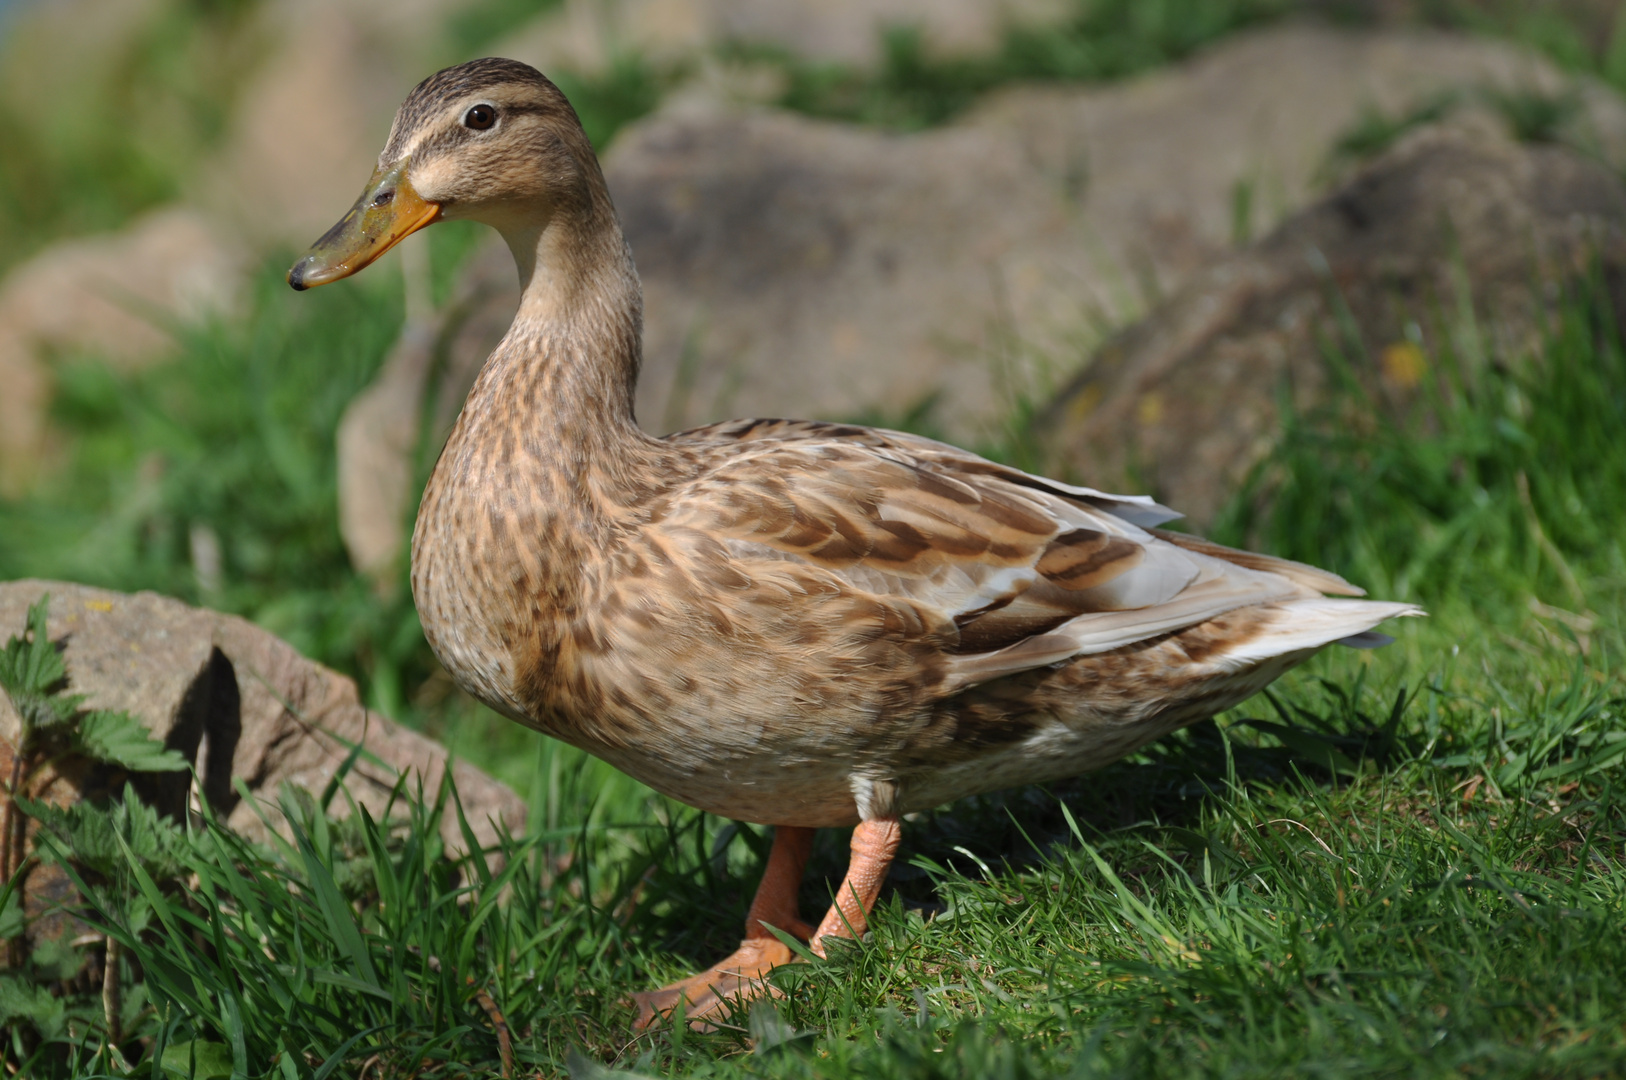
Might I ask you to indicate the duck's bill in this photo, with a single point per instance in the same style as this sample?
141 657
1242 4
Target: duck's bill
388 212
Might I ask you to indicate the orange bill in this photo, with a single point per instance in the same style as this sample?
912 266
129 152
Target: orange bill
388 212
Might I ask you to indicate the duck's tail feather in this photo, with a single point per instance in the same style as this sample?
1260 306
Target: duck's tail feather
1310 624
1311 577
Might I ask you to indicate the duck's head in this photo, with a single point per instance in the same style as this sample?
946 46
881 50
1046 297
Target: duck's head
491 140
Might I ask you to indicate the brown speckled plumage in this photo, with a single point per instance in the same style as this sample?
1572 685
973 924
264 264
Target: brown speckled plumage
786 622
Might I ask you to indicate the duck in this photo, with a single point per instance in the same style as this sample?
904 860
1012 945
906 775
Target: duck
798 624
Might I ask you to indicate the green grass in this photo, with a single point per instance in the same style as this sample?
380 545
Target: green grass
1447 902
1494 503
92 144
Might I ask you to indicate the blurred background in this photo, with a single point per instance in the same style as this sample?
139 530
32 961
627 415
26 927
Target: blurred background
1337 278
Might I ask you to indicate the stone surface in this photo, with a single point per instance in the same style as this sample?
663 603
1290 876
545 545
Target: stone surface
1449 222
425 378
587 35
1248 127
794 267
114 297
376 446
239 703
800 268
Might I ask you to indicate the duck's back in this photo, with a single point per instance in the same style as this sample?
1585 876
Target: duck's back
800 607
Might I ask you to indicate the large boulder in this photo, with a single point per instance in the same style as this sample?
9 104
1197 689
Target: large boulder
586 36
794 267
1452 243
240 705
1185 164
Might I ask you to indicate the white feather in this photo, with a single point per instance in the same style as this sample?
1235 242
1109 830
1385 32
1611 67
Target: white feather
1312 623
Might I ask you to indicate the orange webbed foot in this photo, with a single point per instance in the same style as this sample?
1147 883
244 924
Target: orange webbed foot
739 978
742 976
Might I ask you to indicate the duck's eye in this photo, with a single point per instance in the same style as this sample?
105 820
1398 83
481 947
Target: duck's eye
480 118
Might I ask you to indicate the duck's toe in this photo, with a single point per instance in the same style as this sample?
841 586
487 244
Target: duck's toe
738 978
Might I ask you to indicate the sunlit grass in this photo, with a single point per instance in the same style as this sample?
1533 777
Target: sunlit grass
1493 501
91 144
1447 900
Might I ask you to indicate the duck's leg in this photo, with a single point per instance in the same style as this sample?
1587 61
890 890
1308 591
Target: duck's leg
875 842
741 974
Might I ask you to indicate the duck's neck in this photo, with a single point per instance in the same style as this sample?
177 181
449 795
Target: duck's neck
545 461
546 456
573 351
555 400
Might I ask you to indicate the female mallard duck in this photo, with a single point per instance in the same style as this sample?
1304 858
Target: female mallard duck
793 623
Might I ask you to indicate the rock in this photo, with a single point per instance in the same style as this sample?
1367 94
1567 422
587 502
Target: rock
587 35
240 704
802 268
114 297
376 445
794 267
434 361
1184 163
1445 221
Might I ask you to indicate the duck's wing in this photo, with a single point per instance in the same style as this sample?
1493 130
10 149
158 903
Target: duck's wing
1002 570
1141 510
